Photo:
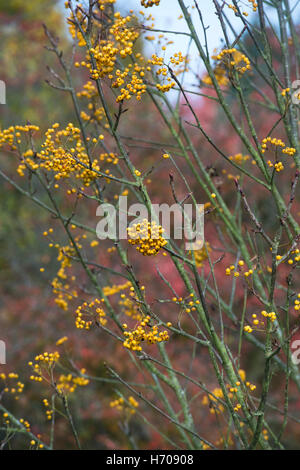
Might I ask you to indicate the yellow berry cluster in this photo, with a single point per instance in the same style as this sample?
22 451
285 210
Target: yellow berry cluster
278 166
135 86
201 255
162 70
92 310
49 412
69 383
285 91
88 91
133 402
6 418
149 3
272 140
25 424
34 444
12 136
12 384
147 237
256 322
233 8
61 341
236 272
43 362
234 58
211 400
105 58
239 158
297 257
277 143
116 288
297 303
227 59
61 283
289 151
120 405
190 305
76 34
96 114
179 60
135 337
48 359
106 54
220 75
254 5
265 434
235 388
165 87
130 308
102 3
64 153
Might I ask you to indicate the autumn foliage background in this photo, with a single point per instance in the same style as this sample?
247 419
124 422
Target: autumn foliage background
31 321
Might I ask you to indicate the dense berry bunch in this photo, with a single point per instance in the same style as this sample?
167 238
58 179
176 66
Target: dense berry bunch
143 333
148 237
